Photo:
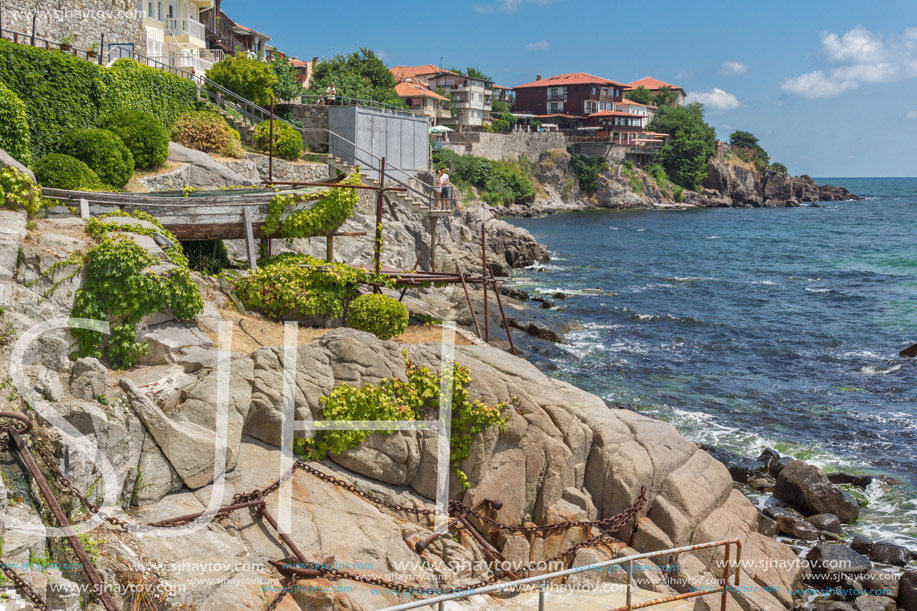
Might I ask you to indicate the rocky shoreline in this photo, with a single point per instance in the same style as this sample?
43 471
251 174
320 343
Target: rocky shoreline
728 185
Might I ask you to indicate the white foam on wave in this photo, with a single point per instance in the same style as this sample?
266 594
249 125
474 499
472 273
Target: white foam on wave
810 290
872 370
764 282
714 237
641 230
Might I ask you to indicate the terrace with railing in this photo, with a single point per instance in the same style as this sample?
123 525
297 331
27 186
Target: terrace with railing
187 27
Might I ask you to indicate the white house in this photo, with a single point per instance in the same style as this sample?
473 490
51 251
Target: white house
176 34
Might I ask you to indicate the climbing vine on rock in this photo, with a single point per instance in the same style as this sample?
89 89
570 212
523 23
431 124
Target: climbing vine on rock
296 284
123 285
393 399
335 206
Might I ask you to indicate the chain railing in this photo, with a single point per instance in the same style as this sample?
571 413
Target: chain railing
298 567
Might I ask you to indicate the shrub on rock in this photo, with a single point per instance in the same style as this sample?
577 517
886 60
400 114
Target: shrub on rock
14 126
380 315
143 134
207 131
102 151
59 171
18 191
287 141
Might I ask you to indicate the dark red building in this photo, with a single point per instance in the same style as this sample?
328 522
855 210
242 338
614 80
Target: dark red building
577 94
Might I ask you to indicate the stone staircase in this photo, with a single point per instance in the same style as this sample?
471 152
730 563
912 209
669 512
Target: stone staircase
407 199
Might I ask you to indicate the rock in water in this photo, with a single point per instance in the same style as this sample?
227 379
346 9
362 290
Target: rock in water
807 488
799 529
907 592
826 521
830 564
874 603
885 552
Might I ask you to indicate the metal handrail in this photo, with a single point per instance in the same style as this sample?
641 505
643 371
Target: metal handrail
723 590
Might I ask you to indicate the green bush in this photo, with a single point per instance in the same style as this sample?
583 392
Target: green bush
18 191
62 92
499 182
293 285
587 171
59 171
381 315
287 141
250 78
102 151
207 131
14 126
145 137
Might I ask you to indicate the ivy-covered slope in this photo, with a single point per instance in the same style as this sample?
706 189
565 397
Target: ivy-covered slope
62 92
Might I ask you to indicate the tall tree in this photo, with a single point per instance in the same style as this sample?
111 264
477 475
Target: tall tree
287 85
252 79
691 143
640 95
360 74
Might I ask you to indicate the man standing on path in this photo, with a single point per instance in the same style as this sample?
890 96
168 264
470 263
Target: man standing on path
442 189
330 94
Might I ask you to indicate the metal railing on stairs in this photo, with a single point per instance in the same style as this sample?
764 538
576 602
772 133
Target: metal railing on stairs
722 589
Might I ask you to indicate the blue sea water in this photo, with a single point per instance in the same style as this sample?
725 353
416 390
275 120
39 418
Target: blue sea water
754 328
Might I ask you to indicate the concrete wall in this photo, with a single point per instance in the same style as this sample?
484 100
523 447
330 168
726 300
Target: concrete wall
507 147
402 138
315 120
85 20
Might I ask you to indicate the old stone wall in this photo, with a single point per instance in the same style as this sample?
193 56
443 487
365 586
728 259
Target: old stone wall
314 118
507 147
85 20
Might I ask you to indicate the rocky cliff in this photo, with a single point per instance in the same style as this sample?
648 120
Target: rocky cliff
741 186
563 455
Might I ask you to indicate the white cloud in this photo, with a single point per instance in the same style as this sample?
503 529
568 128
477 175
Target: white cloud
857 45
717 99
911 116
860 57
541 45
816 85
731 68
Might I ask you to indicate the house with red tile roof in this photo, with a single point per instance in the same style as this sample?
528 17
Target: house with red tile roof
470 99
576 94
423 101
654 85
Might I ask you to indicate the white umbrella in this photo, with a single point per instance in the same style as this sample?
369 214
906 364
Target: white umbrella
440 129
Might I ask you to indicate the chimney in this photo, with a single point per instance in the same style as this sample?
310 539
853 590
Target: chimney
537 77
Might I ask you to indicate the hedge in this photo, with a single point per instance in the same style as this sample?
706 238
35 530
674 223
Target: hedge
207 131
144 135
14 126
102 151
59 171
62 92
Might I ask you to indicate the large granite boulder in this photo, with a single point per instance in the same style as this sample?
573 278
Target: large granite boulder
205 170
807 488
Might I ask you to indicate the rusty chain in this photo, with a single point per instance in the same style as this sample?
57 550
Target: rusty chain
24 587
608 525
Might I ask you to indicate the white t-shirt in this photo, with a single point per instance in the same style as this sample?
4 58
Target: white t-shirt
444 180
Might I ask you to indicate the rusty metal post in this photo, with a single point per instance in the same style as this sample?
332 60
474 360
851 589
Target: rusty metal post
270 166
509 335
489 550
433 220
405 289
283 537
377 247
725 594
630 582
484 278
91 572
474 316
329 248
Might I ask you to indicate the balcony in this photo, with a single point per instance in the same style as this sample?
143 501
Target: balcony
187 32
556 97
214 56
188 62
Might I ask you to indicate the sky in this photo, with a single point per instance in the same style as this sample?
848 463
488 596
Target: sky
829 87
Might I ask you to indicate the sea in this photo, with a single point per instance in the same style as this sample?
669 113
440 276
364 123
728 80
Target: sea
755 328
